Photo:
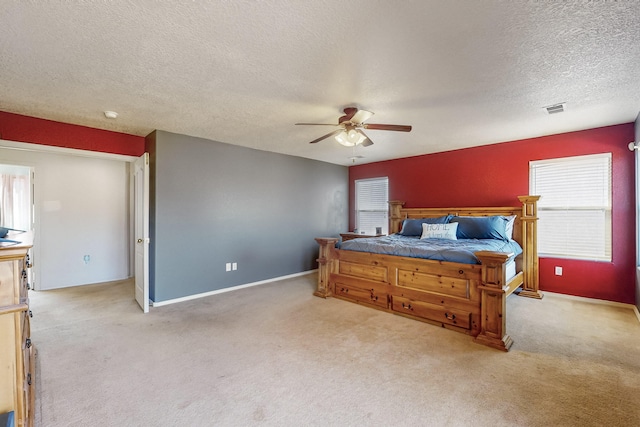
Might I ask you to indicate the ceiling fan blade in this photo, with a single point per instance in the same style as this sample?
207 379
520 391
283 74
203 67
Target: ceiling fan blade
361 116
317 124
398 128
335 132
366 142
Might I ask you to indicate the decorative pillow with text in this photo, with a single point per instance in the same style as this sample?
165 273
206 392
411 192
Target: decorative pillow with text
439 231
413 227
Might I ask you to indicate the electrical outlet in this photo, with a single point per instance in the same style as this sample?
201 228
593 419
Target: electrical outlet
558 271
228 267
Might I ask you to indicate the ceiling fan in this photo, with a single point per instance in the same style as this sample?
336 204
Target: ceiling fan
349 132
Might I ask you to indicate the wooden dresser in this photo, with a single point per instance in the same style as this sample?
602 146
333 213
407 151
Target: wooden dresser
17 354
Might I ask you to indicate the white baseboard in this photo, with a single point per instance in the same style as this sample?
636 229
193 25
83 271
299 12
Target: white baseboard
108 282
596 301
232 288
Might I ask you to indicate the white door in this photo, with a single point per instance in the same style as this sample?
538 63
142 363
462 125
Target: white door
141 230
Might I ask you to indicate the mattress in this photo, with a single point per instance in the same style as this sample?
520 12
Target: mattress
461 250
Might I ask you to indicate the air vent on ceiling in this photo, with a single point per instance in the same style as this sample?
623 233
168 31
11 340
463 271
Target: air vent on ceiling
555 108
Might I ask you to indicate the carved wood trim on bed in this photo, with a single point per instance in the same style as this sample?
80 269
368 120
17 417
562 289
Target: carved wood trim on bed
529 231
468 298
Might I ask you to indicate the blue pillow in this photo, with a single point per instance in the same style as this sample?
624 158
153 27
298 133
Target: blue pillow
7 419
481 227
413 227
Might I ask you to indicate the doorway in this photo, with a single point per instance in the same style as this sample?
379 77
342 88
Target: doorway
16 197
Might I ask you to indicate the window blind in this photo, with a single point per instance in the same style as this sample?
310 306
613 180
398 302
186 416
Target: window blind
372 209
574 210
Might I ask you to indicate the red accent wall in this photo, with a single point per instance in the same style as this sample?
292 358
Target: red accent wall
494 175
15 127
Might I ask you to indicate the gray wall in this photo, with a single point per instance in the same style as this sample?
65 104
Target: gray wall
213 203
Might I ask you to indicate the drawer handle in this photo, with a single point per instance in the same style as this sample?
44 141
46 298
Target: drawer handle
344 290
24 273
408 306
28 287
27 342
450 317
373 297
29 378
30 313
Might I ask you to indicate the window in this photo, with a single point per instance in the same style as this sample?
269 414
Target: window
372 209
574 210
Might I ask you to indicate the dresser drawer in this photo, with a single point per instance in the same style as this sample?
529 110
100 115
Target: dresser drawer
24 281
26 364
364 270
7 284
367 296
455 317
26 326
29 382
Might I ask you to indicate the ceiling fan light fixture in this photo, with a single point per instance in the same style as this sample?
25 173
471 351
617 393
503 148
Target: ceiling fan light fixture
342 139
350 138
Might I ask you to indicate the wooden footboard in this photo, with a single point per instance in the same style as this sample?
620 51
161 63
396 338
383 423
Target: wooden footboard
469 298
493 300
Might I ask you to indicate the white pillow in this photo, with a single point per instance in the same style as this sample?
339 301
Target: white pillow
439 231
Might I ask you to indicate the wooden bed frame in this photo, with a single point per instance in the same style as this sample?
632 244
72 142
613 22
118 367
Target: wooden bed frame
468 298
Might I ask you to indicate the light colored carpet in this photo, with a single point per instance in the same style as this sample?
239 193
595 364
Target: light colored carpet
276 355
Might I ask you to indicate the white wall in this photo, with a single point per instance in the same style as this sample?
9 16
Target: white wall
81 208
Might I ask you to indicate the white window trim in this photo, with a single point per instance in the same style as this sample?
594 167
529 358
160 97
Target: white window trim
384 210
595 207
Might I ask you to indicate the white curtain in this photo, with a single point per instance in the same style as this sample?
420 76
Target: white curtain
15 202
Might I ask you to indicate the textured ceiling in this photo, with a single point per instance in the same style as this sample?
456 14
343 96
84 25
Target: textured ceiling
461 72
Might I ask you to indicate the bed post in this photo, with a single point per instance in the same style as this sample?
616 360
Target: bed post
325 265
395 218
493 294
529 221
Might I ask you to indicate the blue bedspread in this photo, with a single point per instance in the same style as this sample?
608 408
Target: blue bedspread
461 250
